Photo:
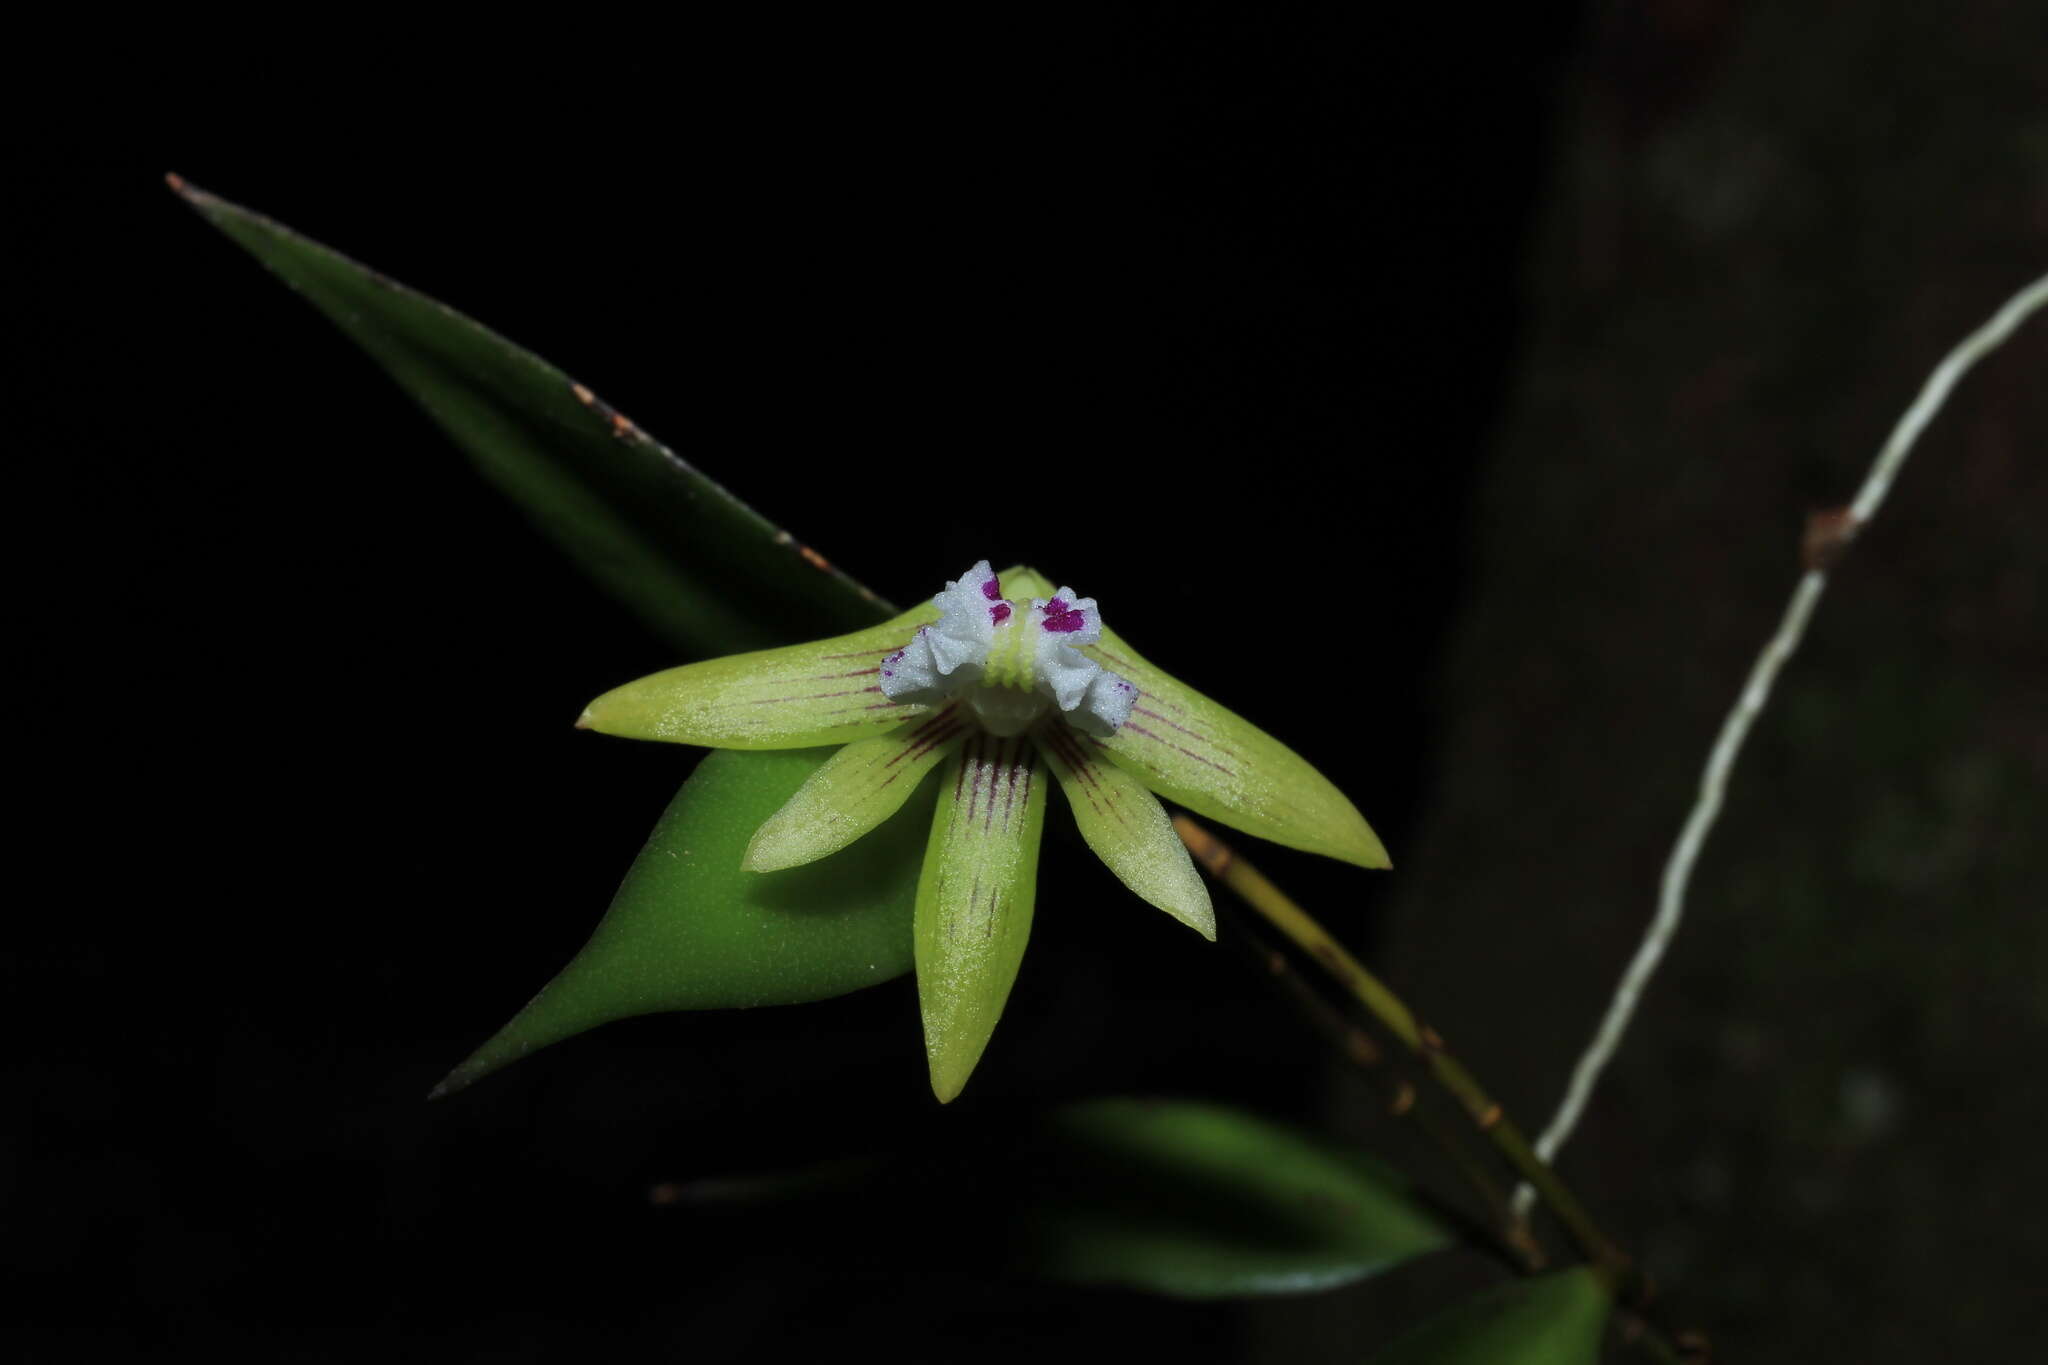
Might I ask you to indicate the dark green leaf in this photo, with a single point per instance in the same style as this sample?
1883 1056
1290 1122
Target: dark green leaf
1199 1201
1171 1197
690 930
700 566
1553 1319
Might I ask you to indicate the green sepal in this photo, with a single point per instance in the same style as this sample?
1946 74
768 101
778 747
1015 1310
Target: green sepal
820 692
1555 1319
974 899
1190 750
690 930
1020 583
857 789
1127 828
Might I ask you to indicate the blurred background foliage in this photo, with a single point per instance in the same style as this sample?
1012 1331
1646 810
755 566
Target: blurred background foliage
1525 349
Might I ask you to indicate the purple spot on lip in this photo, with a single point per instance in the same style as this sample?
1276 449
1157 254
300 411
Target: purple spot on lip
999 613
991 590
1062 618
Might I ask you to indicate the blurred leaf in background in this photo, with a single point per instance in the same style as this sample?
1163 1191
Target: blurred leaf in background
1181 1198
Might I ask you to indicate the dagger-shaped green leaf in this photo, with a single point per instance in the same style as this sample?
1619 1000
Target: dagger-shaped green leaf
701 567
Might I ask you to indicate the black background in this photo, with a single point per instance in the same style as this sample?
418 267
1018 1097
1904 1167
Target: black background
1210 316
1206 315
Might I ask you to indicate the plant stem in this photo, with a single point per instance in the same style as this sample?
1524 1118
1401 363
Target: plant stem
1508 1229
1282 913
1628 1285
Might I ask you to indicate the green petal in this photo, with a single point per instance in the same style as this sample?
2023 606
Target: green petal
824 692
974 899
861 786
1128 828
1218 764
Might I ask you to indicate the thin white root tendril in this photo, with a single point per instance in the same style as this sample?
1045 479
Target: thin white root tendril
1721 760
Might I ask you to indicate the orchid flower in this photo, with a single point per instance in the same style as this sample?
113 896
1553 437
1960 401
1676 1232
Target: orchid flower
997 680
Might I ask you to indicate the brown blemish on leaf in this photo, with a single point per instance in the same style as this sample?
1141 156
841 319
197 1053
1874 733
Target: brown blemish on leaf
622 426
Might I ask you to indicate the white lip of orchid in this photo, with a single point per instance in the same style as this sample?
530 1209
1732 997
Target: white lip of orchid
1010 666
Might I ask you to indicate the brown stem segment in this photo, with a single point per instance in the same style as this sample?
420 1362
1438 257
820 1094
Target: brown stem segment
1508 1228
1290 919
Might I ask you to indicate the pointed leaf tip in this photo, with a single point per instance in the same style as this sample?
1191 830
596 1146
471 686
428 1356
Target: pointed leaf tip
700 566
689 930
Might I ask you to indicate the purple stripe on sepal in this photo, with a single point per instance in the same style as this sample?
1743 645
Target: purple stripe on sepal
1141 730
1169 721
